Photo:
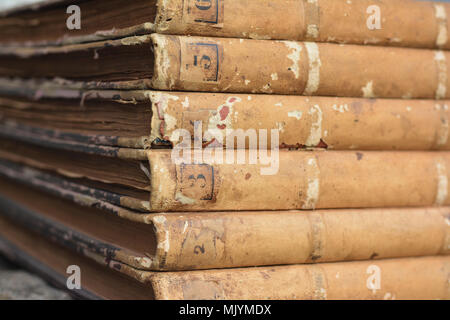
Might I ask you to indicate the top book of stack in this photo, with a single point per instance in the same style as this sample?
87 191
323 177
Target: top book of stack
403 23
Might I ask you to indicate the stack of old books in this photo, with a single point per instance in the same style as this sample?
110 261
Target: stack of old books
265 149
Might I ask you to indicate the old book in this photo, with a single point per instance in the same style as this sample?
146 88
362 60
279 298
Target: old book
217 180
183 63
389 23
407 278
145 119
207 240
402 22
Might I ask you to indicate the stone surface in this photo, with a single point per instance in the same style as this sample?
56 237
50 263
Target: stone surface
16 284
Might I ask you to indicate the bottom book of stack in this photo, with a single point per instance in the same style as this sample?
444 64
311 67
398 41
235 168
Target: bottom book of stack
324 254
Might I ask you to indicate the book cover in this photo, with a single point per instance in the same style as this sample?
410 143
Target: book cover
218 180
145 119
404 23
207 64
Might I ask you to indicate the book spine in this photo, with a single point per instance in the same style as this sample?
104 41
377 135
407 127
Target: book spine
296 180
302 68
403 23
241 239
304 122
408 278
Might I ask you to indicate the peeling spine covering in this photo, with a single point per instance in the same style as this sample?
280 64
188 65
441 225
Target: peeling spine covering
316 126
162 121
441 17
163 238
442 186
441 61
294 56
314 68
313 184
161 62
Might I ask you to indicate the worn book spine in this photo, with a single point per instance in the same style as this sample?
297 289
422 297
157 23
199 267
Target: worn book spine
240 239
296 179
401 22
302 68
241 65
404 23
303 122
408 278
